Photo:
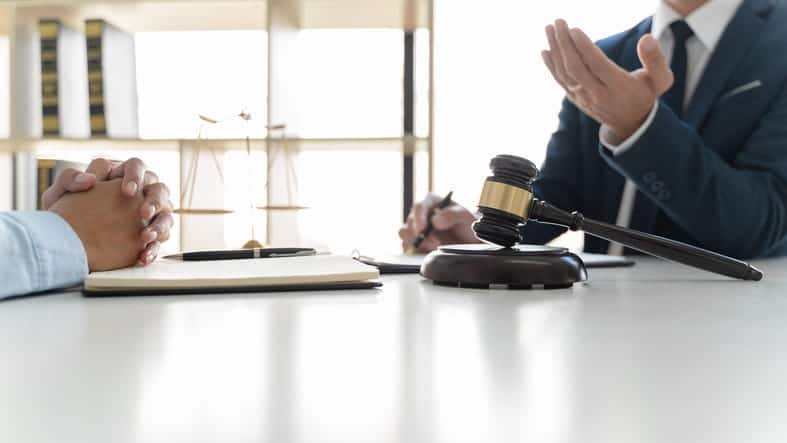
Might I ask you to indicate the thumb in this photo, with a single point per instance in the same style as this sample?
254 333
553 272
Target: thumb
70 180
653 60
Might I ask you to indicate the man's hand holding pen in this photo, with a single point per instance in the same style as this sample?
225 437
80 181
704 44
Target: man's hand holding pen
451 225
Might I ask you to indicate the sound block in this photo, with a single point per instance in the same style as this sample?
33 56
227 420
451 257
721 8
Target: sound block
520 267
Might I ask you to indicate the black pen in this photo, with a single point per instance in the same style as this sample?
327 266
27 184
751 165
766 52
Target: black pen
444 203
235 254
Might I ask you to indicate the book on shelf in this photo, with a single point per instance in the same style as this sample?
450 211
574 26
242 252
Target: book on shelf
111 71
50 94
64 91
6 181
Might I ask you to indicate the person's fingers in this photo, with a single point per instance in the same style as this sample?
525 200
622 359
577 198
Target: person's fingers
655 63
156 201
557 59
133 173
421 210
596 60
428 245
158 229
574 65
150 253
150 178
451 216
69 180
100 167
404 233
550 64
407 233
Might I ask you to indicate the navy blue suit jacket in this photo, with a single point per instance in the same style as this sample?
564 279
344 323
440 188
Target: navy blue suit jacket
716 179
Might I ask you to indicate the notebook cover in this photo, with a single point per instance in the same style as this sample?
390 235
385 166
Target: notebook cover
250 289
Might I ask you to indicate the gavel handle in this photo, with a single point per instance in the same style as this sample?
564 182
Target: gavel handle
647 243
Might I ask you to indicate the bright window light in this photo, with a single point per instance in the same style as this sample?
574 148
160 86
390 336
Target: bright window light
214 73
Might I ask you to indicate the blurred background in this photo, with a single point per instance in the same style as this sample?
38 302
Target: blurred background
322 120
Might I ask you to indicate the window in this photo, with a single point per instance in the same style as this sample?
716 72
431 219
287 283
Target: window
214 73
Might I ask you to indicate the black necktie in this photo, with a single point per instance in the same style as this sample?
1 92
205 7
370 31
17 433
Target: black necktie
675 97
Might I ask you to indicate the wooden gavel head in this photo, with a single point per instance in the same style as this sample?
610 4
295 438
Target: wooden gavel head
506 200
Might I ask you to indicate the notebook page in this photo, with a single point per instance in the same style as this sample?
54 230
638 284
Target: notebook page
235 273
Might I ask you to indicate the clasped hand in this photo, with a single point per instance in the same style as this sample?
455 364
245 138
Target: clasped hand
120 211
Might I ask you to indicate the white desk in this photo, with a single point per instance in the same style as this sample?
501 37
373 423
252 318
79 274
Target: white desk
654 353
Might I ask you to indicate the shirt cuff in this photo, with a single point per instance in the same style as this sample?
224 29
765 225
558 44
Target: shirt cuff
58 251
605 134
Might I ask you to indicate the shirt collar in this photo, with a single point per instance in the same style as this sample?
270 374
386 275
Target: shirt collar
708 22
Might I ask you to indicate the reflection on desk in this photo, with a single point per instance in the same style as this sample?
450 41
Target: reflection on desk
653 353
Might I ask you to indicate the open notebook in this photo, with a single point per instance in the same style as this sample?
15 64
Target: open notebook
166 277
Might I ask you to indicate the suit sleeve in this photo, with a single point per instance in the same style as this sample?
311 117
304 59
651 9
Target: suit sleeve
559 178
737 208
39 251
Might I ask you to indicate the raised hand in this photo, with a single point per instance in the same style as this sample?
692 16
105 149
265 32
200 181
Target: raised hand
600 88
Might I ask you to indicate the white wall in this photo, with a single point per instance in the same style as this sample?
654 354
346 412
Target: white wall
492 93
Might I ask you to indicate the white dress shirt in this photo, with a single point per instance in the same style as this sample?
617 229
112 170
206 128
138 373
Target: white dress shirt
708 23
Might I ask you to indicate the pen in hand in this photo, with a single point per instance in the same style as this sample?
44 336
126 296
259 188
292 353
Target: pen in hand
444 203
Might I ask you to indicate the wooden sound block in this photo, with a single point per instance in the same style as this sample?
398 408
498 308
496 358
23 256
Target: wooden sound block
520 267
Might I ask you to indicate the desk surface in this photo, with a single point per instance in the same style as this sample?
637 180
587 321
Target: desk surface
654 353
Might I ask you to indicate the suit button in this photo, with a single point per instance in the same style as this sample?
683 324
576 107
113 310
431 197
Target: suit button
649 177
657 186
664 195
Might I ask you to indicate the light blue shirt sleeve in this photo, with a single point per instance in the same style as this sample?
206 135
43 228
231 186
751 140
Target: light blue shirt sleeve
38 251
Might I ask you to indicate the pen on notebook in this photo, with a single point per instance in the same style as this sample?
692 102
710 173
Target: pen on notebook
235 254
444 203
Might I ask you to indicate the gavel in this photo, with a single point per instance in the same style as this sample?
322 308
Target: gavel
507 202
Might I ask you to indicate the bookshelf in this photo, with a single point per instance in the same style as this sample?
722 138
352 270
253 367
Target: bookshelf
282 20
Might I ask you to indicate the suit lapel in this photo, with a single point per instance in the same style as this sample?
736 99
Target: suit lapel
741 33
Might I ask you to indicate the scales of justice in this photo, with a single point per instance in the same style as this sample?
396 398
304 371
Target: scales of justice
279 156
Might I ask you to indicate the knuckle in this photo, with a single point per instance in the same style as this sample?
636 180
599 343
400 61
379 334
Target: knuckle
151 177
156 189
69 171
169 220
163 222
46 196
100 163
135 161
66 176
158 192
